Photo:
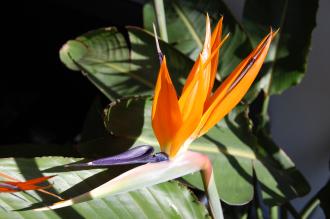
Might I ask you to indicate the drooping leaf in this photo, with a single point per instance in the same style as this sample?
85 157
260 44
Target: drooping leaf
296 20
278 164
171 199
285 68
118 67
234 152
277 171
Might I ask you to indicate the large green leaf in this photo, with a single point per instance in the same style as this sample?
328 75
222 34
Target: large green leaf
296 20
233 149
118 67
169 200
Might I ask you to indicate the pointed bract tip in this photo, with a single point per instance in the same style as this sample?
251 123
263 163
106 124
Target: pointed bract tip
159 52
275 33
221 19
225 38
208 23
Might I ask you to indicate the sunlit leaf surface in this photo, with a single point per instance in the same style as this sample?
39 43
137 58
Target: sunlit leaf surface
171 199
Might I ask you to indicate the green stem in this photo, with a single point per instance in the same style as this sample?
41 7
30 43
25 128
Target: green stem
310 207
264 110
188 24
161 20
260 215
211 189
274 212
244 215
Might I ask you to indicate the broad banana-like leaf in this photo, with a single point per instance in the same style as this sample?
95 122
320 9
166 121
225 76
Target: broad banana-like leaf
151 174
170 199
118 67
296 20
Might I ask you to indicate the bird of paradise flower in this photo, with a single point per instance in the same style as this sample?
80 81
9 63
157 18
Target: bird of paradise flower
177 122
13 185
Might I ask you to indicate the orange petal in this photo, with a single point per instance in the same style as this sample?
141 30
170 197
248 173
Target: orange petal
7 190
215 42
194 94
29 184
233 89
192 106
206 52
37 180
166 116
193 97
211 46
197 80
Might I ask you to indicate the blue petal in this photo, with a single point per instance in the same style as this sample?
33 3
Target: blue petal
140 154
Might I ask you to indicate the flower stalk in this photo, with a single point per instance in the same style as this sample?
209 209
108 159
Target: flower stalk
161 20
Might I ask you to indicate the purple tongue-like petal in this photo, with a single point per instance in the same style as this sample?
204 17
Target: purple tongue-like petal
126 157
140 154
